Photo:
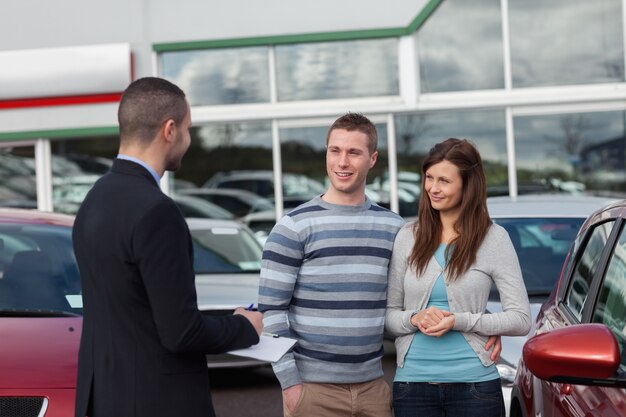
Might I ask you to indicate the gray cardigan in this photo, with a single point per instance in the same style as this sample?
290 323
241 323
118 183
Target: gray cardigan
496 261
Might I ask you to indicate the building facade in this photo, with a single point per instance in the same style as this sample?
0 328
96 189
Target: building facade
537 85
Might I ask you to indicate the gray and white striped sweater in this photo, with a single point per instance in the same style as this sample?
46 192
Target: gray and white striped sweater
324 283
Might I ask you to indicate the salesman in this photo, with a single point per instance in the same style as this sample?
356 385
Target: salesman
143 345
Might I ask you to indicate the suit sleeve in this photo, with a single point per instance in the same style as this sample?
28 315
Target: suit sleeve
162 246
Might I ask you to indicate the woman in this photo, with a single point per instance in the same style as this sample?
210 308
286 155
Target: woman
442 269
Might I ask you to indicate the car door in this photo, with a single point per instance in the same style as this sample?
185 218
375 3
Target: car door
576 301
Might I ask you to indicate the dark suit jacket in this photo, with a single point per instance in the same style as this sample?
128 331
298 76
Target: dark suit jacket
143 340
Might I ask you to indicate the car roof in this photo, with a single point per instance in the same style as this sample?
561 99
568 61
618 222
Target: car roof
237 192
200 223
542 205
29 216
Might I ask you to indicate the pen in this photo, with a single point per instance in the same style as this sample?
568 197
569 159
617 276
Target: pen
270 335
250 307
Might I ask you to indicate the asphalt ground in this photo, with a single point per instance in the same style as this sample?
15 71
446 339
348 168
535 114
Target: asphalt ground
255 392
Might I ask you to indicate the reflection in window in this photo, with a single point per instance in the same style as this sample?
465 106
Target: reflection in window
416 133
460 47
571 152
304 152
220 76
565 42
17 177
222 249
38 269
337 69
219 151
611 306
585 269
541 245
76 165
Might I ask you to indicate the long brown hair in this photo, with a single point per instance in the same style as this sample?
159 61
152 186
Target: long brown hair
473 222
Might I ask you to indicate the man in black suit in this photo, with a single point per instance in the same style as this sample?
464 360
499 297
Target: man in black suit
143 345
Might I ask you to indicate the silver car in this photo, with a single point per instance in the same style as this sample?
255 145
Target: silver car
542 227
227 263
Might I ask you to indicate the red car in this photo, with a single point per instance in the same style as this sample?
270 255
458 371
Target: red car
40 314
575 364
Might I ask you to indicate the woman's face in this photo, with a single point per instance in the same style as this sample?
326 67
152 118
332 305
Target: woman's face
444 186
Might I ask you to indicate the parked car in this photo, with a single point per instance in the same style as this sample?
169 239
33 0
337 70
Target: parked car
238 202
41 303
575 363
541 227
227 263
196 207
297 188
40 314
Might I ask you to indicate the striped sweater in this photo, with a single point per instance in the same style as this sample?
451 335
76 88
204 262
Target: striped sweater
324 283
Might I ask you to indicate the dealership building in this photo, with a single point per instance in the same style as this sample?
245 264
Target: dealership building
537 85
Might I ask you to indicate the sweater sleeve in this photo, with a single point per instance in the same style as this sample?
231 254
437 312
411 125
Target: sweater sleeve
514 320
397 318
282 257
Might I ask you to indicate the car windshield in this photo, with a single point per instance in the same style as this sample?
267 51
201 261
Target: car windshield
225 249
541 245
38 271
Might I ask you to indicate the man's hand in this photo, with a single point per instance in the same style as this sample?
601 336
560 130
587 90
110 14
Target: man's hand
255 318
291 396
496 343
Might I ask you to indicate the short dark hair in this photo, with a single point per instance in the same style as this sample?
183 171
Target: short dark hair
146 104
356 121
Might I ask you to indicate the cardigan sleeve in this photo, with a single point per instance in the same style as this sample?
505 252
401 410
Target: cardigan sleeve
397 318
505 271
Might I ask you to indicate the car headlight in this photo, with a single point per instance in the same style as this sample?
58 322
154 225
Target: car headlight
507 373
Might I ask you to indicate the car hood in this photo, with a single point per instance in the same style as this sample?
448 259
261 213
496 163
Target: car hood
512 345
39 352
227 291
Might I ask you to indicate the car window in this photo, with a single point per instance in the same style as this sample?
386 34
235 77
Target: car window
585 268
38 271
541 245
610 308
225 249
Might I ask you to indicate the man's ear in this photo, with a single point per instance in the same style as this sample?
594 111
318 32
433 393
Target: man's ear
373 159
169 130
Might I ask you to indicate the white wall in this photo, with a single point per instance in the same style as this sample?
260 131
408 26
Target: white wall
46 23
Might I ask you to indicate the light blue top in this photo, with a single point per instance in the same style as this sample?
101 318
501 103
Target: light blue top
143 164
448 358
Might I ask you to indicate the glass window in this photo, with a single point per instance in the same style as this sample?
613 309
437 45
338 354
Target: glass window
541 245
76 165
228 155
330 70
224 248
416 133
18 187
303 153
459 47
38 271
220 76
610 308
565 42
571 152
585 269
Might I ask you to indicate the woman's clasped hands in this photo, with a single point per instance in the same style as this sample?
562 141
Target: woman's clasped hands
433 321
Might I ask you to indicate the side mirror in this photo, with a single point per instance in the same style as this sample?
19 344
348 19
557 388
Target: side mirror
586 354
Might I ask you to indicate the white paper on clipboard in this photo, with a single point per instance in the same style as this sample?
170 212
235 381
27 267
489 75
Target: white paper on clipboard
270 348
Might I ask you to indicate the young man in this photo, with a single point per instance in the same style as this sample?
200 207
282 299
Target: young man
143 344
324 282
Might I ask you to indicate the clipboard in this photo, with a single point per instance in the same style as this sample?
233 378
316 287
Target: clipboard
269 349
